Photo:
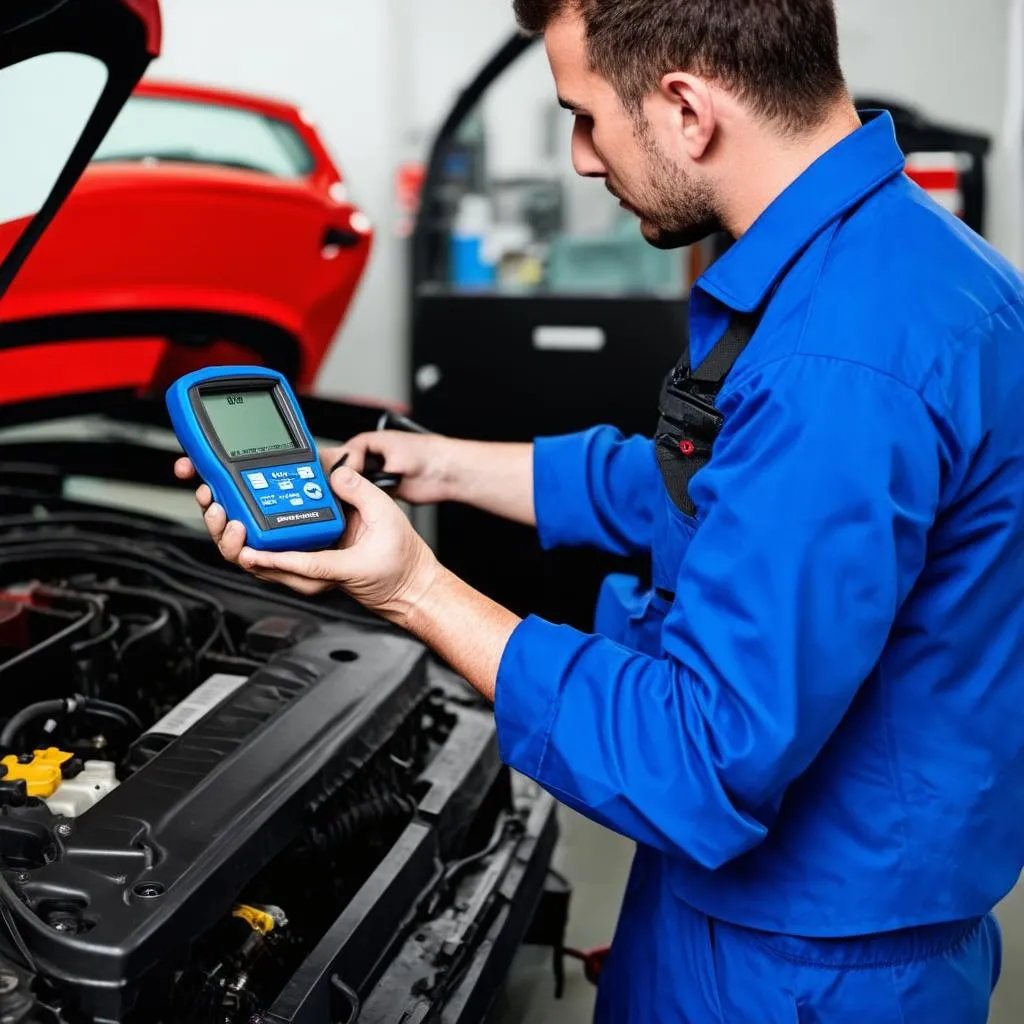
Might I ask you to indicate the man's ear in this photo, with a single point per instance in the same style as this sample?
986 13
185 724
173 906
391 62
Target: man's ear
690 103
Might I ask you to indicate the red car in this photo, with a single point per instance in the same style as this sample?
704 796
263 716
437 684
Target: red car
212 218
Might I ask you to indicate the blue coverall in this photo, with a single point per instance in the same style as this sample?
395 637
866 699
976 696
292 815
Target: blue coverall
818 742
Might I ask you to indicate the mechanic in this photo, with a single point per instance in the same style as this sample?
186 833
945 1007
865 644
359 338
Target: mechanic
813 724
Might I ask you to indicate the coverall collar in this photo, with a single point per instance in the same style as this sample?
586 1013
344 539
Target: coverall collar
741 279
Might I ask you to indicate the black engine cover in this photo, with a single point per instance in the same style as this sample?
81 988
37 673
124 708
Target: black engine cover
159 860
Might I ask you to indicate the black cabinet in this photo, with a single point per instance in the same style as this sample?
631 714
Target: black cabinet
511 368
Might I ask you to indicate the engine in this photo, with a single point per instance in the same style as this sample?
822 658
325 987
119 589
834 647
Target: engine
223 804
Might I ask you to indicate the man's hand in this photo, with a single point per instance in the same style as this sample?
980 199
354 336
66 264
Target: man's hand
385 565
497 478
425 462
381 561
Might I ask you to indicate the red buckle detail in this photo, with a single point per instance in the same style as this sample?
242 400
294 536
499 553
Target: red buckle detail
687 447
593 961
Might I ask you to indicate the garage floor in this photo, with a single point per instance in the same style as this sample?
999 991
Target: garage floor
596 861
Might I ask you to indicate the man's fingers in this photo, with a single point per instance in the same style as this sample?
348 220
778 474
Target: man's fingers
369 501
351 455
216 520
309 566
286 579
184 470
204 497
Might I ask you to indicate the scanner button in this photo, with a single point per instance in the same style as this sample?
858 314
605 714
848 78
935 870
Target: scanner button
285 485
313 491
306 473
268 500
297 501
258 481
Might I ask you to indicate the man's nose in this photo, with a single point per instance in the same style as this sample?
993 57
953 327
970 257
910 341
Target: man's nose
585 158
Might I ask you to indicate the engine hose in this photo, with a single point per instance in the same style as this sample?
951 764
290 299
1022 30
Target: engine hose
355 1006
94 704
45 708
29 714
111 716
144 556
82 624
370 813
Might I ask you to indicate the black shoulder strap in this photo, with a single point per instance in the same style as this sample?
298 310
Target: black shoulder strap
689 421
722 358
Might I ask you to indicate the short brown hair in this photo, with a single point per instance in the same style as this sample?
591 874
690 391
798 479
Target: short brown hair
780 56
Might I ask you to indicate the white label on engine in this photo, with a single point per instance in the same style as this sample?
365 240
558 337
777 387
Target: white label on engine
200 701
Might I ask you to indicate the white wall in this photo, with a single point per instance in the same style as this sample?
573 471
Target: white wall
451 40
447 42
946 57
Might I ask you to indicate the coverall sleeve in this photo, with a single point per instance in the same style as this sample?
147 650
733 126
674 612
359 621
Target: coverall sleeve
819 500
596 489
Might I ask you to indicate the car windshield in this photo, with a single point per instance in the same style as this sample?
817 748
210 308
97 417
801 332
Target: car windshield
187 131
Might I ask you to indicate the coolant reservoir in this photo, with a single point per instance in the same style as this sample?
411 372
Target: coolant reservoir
75 796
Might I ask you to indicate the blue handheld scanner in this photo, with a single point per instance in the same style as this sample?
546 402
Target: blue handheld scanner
242 428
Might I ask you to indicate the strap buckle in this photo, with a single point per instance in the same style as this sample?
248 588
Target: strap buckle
688 406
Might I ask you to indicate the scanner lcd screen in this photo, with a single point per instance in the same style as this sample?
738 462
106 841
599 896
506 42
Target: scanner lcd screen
248 424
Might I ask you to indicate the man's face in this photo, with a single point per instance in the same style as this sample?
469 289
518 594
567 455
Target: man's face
649 175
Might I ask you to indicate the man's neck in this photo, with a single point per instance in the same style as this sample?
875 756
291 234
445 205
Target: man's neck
769 164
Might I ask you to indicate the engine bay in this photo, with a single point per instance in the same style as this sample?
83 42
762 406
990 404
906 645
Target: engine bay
223 803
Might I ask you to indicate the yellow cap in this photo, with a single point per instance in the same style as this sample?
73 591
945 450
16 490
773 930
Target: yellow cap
42 774
259 920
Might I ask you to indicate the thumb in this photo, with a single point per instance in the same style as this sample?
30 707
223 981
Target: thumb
355 490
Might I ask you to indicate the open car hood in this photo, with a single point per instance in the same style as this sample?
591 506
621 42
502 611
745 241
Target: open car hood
71 64
106 45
